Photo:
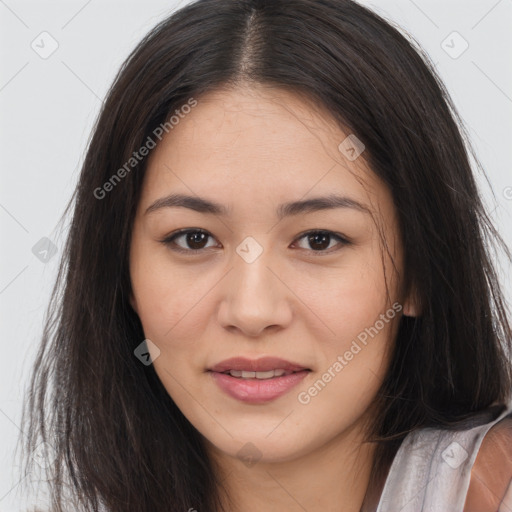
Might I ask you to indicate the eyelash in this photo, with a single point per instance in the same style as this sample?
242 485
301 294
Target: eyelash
169 240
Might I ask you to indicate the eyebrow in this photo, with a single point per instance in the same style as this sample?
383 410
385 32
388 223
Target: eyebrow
206 206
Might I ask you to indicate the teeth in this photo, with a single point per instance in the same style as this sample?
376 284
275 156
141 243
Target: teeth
258 375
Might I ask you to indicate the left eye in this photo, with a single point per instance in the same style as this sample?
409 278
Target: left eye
195 240
319 241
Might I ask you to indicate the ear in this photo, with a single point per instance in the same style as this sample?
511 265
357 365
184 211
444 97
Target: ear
411 305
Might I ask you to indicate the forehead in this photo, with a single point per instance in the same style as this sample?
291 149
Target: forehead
259 144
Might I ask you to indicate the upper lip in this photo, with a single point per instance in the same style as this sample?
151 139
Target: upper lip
257 365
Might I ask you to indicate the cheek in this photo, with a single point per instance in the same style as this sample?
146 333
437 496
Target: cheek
346 299
168 305
356 350
164 296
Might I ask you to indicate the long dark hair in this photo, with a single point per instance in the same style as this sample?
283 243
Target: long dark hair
120 441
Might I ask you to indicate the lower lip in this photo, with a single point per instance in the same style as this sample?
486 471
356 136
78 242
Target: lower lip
257 390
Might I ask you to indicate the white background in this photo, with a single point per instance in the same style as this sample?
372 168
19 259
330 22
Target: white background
48 107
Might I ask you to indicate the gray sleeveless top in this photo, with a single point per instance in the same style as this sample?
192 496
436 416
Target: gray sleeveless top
431 470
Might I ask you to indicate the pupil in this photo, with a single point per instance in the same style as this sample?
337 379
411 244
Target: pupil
194 239
319 238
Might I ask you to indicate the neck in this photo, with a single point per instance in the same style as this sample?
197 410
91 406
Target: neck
334 477
374 490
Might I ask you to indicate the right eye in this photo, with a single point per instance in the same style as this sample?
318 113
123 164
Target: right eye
193 240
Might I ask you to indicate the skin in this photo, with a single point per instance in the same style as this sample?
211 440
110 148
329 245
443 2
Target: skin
490 487
252 148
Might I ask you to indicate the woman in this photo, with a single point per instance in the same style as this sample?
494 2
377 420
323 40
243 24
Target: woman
277 291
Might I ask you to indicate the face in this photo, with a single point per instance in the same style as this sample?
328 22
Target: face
244 276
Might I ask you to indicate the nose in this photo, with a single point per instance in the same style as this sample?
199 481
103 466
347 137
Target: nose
255 298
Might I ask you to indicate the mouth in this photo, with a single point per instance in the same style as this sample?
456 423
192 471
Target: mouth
271 374
242 367
257 381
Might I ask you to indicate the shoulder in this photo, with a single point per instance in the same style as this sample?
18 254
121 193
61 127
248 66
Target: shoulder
490 488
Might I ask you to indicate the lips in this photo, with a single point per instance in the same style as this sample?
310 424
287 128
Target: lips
249 380
264 364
